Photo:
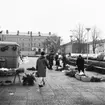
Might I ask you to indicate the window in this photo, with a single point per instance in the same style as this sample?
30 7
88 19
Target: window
22 44
39 44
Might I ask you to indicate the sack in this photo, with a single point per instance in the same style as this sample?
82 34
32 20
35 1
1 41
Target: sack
95 79
28 79
71 73
31 69
20 70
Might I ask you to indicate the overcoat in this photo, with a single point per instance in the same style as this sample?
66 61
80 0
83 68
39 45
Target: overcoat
51 58
80 63
41 65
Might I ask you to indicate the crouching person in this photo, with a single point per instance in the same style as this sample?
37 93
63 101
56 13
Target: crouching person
41 66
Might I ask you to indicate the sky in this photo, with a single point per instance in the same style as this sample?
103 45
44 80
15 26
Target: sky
55 16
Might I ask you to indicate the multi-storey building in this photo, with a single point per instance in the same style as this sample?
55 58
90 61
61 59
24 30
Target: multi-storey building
27 41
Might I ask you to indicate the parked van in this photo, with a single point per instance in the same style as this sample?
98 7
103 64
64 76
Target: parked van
9 54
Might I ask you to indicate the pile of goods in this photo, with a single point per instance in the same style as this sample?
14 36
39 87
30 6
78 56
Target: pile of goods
6 83
81 76
19 70
28 79
31 69
7 72
71 73
10 72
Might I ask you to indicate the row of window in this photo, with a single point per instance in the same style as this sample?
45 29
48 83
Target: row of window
29 45
22 39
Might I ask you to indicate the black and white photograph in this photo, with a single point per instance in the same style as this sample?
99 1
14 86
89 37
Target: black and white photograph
52 52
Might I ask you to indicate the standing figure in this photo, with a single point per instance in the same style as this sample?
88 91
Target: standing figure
41 65
51 58
80 64
64 60
57 61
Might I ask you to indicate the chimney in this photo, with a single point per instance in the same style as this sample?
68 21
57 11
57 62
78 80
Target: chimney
49 33
28 32
18 32
31 33
7 32
39 33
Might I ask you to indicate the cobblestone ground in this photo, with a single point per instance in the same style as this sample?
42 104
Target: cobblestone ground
59 90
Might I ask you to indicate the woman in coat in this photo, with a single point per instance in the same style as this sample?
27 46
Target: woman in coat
41 65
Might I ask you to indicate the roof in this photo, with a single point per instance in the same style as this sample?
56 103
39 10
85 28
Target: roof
98 41
66 44
8 43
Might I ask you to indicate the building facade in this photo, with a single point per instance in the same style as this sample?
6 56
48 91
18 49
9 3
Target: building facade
27 41
73 47
83 48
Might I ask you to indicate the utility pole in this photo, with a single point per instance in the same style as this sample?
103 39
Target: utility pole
1 35
71 42
31 39
88 29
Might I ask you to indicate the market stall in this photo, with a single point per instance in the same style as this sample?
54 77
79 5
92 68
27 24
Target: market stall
9 61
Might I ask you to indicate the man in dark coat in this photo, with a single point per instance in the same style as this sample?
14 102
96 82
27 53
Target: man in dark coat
41 65
57 61
51 58
64 60
80 63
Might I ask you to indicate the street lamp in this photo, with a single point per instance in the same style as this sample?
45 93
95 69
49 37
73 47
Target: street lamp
71 42
88 29
71 38
31 39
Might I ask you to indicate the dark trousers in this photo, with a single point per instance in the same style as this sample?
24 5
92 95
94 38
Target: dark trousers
51 64
80 69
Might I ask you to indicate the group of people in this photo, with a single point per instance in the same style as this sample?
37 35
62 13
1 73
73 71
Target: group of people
44 62
58 58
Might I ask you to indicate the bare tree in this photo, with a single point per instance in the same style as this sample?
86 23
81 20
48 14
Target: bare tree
79 35
95 37
52 43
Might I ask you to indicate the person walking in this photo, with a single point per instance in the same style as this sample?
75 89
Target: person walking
41 65
80 63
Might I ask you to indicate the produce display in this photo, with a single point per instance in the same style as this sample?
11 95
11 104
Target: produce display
83 77
7 72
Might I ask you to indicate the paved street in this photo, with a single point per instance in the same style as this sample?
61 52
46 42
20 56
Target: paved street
59 90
